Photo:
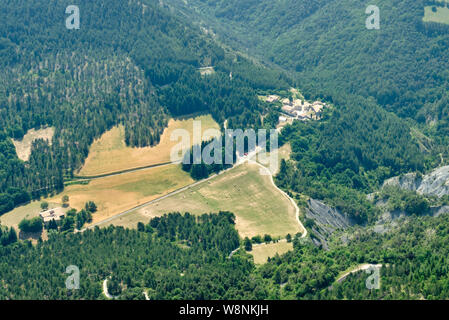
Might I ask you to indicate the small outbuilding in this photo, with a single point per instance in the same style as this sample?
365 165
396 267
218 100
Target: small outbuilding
52 214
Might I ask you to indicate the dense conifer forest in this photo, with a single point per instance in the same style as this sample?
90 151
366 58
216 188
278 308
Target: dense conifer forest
187 257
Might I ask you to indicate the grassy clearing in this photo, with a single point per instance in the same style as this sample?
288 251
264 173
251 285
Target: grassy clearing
259 208
283 153
296 94
440 16
110 153
119 193
261 253
23 147
31 210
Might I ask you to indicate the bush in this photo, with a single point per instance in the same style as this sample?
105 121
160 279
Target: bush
417 204
91 207
67 223
140 227
267 238
44 205
32 225
257 239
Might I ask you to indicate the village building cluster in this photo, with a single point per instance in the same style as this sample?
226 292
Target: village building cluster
298 109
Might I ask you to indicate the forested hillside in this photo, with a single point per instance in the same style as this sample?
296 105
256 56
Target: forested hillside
413 256
326 43
130 62
137 64
172 257
183 257
348 155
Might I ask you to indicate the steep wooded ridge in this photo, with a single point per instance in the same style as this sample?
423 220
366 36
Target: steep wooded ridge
403 65
130 62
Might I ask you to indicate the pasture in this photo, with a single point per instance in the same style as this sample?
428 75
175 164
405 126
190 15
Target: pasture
259 207
28 211
262 252
118 193
110 153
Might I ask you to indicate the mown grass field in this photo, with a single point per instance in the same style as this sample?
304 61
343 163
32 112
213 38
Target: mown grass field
259 207
261 253
31 210
110 153
440 16
283 153
119 193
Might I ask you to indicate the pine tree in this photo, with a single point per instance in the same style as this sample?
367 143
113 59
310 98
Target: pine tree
248 244
12 237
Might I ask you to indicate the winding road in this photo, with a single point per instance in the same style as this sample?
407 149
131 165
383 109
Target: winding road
304 230
105 290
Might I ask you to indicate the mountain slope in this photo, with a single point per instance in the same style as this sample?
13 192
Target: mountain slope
403 65
375 79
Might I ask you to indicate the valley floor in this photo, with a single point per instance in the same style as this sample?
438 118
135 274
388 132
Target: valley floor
259 208
125 195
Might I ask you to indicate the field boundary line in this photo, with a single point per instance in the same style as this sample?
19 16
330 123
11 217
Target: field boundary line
116 173
304 234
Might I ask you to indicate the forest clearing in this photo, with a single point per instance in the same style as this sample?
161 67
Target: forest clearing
119 193
110 153
258 206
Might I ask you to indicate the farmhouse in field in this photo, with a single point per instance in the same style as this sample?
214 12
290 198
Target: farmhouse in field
52 214
282 119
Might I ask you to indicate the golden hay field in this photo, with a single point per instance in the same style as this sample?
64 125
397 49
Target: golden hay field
259 207
110 153
119 193
261 253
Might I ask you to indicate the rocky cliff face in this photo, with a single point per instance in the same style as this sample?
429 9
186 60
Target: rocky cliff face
389 220
327 220
330 218
435 183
